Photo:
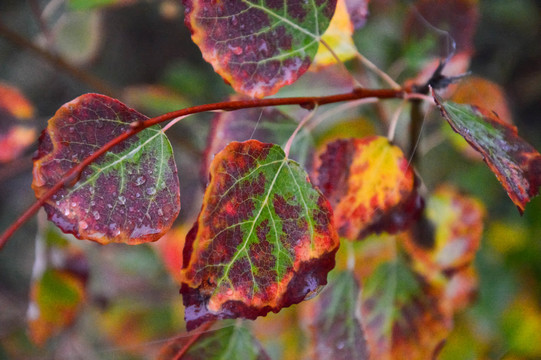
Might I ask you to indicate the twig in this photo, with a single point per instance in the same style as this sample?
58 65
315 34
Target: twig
72 176
192 340
83 76
378 71
301 124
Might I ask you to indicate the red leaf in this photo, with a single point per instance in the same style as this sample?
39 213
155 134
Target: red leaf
130 194
15 132
370 186
264 238
258 47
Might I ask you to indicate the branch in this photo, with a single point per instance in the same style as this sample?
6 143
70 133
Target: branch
72 176
83 76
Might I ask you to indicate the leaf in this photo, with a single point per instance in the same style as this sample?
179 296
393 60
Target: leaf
264 238
266 125
129 195
16 133
78 36
370 186
230 342
258 47
339 37
58 288
56 299
400 314
450 238
336 331
516 164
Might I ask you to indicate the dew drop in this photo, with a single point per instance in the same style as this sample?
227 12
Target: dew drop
92 203
138 195
71 130
91 190
160 212
96 215
140 180
99 124
237 50
57 203
234 20
73 204
71 119
131 209
121 200
109 206
151 191
66 212
83 225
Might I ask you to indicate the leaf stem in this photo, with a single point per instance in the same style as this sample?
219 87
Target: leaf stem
370 65
309 102
192 340
307 118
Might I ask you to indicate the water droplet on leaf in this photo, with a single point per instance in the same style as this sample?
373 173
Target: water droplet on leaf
140 180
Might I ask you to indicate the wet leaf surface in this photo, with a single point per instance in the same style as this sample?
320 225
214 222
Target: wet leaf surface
16 132
258 47
335 329
516 164
370 186
129 195
264 238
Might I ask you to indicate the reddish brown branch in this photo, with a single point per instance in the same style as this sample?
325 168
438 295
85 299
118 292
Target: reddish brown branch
71 177
192 340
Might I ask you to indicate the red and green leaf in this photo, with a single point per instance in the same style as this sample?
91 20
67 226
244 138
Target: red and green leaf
400 315
16 134
516 163
450 238
129 195
335 329
264 238
266 125
258 47
370 186
230 342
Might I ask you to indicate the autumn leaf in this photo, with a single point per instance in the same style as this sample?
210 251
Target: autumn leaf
264 238
401 315
451 236
339 37
258 47
370 186
266 125
16 133
335 329
129 195
516 164
231 342
57 293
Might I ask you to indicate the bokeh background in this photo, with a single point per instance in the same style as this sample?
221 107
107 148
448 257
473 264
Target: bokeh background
141 53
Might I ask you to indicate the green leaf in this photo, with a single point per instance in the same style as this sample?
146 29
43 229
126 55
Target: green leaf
130 194
516 164
264 238
336 330
230 342
258 46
